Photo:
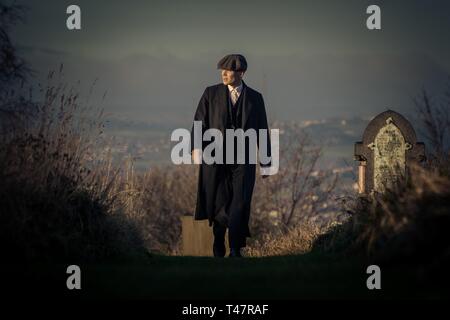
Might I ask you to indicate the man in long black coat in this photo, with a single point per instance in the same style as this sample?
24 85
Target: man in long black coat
225 190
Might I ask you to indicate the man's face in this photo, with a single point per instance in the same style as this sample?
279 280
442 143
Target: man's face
232 78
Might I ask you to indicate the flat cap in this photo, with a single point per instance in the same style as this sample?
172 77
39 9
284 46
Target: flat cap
234 62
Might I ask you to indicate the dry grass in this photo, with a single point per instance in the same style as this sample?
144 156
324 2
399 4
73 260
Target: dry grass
406 224
162 195
298 240
58 197
407 219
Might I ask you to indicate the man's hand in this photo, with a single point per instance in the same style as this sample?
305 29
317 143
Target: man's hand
265 171
197 156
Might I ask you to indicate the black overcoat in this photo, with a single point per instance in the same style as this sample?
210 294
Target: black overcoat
212 111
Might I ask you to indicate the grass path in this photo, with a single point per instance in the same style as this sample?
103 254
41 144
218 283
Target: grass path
308 276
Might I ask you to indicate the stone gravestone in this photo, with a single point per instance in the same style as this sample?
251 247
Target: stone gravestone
389 146
197 237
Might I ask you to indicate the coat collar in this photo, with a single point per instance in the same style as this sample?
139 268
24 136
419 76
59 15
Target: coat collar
238 88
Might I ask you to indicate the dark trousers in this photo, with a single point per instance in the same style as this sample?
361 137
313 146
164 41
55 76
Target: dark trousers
234 211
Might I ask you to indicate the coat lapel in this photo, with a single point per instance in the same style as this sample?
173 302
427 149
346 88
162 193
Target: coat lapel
223 97
246 105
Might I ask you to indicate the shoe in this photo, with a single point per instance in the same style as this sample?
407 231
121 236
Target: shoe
235 253
219 251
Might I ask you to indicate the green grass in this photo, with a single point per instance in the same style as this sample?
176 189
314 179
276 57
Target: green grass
309 276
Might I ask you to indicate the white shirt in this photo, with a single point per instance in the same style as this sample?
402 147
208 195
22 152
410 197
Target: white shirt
235 93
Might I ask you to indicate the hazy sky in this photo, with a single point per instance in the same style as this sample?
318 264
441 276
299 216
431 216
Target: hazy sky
310 59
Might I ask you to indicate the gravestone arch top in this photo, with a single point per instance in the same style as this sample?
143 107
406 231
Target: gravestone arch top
388 147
